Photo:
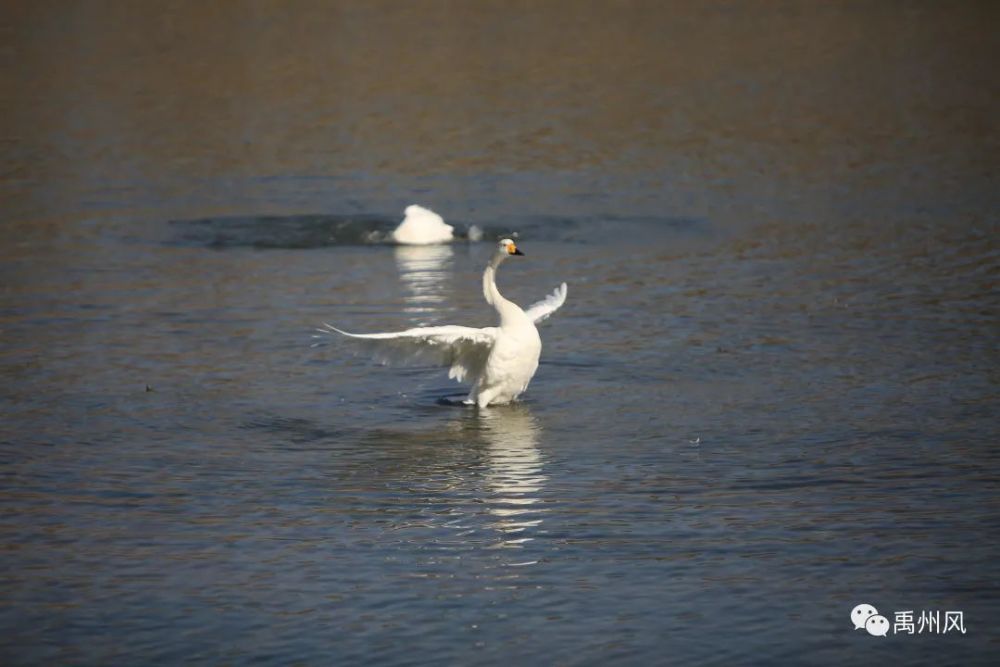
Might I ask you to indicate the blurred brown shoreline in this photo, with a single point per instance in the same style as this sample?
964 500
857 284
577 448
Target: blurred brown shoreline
747 97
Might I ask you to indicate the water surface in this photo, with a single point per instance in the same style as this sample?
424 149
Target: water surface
771 394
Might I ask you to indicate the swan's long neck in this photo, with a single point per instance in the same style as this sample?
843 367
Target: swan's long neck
506 309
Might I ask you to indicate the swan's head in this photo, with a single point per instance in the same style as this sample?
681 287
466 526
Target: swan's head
507 247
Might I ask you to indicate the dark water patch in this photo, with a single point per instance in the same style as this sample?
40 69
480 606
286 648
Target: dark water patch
302 232
288 232
793 482
593 228
296 431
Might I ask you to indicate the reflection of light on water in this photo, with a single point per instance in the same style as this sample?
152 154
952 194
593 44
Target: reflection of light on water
474 484
514 473
423 270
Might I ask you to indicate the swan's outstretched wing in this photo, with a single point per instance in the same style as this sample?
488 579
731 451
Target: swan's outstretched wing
539 311
463 349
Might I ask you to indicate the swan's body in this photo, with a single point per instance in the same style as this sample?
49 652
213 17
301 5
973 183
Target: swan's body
422 226
499 361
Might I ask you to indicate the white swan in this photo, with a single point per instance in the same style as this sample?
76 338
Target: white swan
422 226
499 361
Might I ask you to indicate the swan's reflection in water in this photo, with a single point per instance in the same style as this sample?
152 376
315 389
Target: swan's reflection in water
514 473
423 270
475 481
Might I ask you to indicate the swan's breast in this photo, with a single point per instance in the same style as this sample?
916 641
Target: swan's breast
514 357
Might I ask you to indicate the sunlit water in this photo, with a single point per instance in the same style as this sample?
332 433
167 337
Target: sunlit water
771 394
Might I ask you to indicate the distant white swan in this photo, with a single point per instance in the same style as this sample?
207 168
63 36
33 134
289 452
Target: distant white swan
422 226
498 362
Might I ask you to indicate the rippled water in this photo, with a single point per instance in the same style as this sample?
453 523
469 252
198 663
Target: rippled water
771 394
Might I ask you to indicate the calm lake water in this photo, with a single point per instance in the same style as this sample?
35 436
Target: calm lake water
771 395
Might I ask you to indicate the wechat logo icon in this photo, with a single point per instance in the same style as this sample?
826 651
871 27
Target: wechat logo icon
866 617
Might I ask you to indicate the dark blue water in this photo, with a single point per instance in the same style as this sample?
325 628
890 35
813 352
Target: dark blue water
770 396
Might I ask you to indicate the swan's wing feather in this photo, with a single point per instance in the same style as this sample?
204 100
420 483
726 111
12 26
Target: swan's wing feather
550 304
463 350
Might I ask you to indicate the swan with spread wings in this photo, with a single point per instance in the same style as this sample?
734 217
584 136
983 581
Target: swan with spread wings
498 362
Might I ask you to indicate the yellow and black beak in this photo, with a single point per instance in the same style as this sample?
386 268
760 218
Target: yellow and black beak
514 250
